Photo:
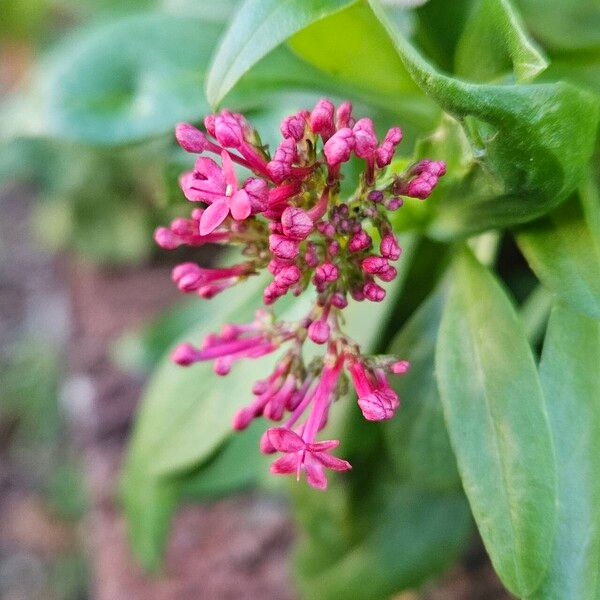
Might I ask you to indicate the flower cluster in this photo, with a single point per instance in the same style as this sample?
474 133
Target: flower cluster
290 218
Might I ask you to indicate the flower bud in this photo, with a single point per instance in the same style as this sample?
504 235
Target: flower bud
184 355
321 118
283 247
190 138
339 146
365 138
319 331
296 223
373 292
389 247
400 367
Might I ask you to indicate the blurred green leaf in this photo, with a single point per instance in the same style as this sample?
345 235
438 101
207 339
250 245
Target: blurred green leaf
498 425
237 465
571 381
147 74
569 25
417 438
534 312
494 42
417 534
258 27
563 250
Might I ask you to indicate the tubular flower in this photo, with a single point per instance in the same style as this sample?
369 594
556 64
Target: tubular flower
289 218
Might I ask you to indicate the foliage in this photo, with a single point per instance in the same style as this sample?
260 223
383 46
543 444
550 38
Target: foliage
507 93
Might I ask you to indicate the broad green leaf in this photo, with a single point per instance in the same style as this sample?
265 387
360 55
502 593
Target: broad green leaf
494 42
563 250
564 25
258 27
498 425
530 144
571 381
418 533
416 437
349 57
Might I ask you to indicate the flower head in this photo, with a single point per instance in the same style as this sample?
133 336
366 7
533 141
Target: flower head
289 218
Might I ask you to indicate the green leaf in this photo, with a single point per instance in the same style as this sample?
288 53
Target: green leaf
237 465
258 27
530 144
418 533
493 42
498 425
571 381
147 74
566 25
417 438
563 250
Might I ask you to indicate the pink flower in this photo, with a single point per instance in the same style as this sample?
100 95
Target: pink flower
234 200
389 247
319 331
312 458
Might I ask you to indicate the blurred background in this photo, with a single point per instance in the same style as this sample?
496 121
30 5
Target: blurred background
89 93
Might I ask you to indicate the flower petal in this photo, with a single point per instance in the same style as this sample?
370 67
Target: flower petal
240 205
332 462
213 216
206 168
284 440
315 474
322 446
229 171
285 465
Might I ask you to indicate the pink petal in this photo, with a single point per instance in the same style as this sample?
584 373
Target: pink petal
315 474
229 171
213 216
332 462
285 440
285 465
240 205
208 169
322 446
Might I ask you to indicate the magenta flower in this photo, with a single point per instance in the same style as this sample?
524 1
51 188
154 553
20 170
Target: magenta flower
299 456
235 201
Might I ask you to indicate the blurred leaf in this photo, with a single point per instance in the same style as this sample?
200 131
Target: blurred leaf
534 312
237 465
417 438
258 27
494 42
570 25
498 425
141 350
440 24
352 60
417 534
147 74
563 250
571 381
530 144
